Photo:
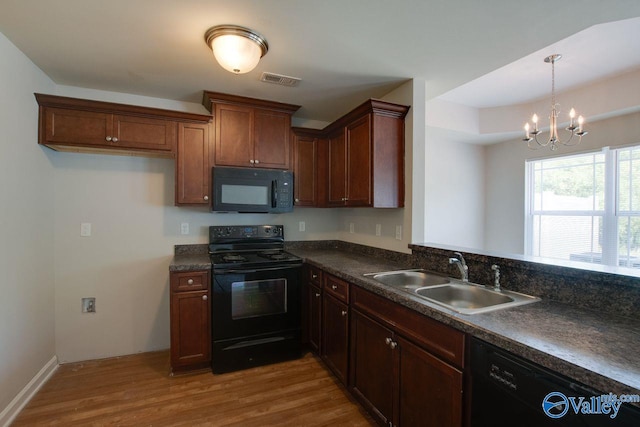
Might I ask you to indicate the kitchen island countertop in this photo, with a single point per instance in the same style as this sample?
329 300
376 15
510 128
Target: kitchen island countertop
598 350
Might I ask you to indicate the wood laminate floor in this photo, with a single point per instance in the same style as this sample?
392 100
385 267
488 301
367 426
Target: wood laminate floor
137 390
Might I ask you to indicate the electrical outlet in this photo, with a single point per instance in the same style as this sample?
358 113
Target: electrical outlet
378 229
352 227
85 229
399 232
184 228
301 226
88 305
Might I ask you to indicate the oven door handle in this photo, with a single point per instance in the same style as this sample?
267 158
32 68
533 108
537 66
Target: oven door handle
257 270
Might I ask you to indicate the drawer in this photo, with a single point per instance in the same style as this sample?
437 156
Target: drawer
443 341
189 281
337 287
314 275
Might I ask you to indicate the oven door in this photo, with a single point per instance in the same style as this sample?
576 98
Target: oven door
252 302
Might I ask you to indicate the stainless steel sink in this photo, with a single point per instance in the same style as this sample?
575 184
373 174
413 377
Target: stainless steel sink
473 299
409 280
456 295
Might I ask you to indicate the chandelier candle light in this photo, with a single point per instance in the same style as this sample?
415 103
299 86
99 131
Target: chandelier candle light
575 127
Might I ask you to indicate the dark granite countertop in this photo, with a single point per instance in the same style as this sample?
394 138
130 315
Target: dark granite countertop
596 349
190 262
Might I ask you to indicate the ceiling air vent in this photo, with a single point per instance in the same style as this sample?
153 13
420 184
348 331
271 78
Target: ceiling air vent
279 79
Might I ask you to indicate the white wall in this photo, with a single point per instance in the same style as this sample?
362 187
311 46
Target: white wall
124 264
26 227
454 195
505 168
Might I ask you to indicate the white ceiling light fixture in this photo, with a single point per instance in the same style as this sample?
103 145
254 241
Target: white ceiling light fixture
237 49
576 128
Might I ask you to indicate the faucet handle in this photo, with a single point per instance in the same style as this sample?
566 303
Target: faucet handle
496 280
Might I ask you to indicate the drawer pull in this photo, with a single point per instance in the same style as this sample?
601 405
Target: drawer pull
190 282
204 298
317 294
334 287
344 312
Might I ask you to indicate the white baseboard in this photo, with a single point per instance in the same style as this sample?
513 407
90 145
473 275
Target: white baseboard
26 394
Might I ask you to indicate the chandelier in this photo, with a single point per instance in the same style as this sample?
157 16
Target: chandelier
575 126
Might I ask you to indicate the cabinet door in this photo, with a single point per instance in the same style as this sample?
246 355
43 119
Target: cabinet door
314 317
193 172
76 127
143 133
190 330
304 170
430 390
271 139
337 170
372 362
335 336
359 162
234 135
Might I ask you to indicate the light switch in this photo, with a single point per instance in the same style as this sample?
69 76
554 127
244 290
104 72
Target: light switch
85 229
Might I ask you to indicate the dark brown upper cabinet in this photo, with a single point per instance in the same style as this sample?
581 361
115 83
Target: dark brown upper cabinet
250 132
71 124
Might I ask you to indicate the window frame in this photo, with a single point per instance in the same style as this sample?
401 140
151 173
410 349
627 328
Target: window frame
611 214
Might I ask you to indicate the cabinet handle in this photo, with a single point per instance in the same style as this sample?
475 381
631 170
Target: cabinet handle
317 294
314 276
334 287
393 345
297 200
190 281
257 161
252 161
343 312
108 138
114 139
206 197
204 298
387 340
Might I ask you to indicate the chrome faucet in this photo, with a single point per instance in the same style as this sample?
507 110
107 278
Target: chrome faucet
462 265
496 279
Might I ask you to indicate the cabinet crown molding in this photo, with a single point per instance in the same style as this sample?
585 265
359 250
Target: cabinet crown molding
45 100
375 106
209 98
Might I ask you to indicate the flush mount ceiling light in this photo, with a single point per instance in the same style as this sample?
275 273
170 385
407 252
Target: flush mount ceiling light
554 140
237 49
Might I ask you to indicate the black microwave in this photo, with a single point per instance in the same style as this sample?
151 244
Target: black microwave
249 190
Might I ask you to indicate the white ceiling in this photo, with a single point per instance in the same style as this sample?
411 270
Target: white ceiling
593 54
343 50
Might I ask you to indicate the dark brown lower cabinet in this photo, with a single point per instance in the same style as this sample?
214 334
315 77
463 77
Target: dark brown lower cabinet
430 390
372 363
335 336
190 321
400 383
314 302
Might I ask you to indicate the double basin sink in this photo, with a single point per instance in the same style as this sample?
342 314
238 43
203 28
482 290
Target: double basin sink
456 295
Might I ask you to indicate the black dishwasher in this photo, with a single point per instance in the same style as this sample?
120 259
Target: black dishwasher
507 390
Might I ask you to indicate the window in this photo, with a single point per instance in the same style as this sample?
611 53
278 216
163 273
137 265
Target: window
585 207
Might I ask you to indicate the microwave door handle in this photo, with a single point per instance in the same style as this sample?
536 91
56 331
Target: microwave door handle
274 193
